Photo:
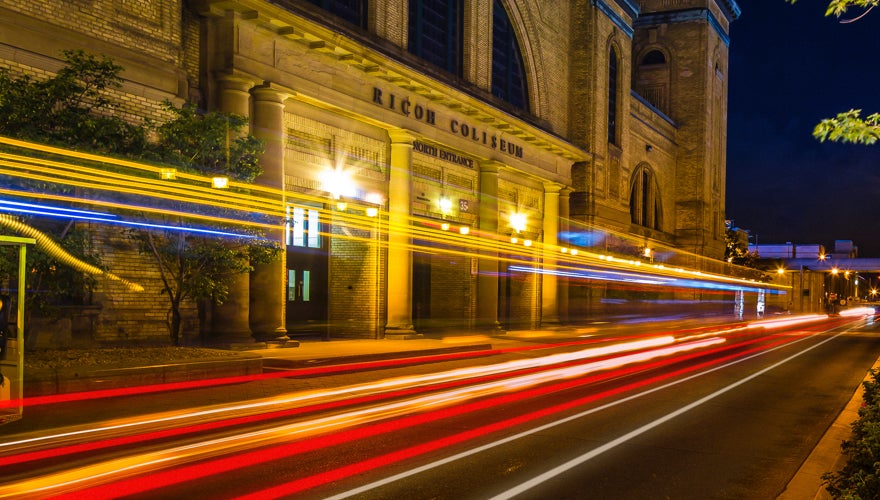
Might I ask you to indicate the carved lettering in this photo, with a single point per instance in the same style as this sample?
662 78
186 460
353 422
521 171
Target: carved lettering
417 111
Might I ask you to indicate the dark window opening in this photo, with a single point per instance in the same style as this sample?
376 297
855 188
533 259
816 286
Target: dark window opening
435 32
654 57
508 79
353 11
612 96
644 200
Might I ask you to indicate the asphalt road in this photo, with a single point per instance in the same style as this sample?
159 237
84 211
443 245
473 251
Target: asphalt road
729 415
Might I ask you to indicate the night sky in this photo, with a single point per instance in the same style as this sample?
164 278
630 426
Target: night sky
790 66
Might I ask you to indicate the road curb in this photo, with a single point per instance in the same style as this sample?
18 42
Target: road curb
47 382
827 456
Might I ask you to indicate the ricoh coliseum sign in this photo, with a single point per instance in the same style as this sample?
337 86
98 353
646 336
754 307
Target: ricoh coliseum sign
422 113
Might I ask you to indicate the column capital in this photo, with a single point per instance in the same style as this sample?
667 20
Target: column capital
401 136
492 167
235 82
552 187
270 93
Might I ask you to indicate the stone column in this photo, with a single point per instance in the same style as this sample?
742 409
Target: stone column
564 226
549 296
400 259
267 281
229 321
487 276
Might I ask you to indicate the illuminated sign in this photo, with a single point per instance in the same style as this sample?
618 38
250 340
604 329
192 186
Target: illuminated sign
422 113
421 147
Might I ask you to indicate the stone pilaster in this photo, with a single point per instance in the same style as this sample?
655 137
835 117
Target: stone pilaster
400 259
549 282
267 281
229 321
564 227
487 277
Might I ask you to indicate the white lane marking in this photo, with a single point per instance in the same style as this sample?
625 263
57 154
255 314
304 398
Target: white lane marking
538 480
485 447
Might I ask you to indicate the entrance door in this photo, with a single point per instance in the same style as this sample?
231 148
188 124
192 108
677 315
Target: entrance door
421 301
306 273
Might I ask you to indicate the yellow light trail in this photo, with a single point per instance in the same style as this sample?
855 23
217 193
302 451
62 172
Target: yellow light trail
268 201
50 247
118 468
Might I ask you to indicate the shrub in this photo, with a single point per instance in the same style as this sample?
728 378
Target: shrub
860 476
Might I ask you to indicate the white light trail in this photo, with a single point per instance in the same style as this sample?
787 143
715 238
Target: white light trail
290 400
115 469
535 430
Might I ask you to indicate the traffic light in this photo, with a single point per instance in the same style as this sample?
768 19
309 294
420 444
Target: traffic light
5 307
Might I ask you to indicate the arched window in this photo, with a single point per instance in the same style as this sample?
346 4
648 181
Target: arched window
651 80
436 34
508 80
644 199
613 63
653 57
353 11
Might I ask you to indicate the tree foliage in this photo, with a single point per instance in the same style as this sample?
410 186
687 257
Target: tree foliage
840 7
72 108
209 143
75 109
736 251
198 267
850 126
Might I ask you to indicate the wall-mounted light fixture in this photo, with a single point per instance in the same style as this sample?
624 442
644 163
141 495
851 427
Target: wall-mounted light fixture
518 222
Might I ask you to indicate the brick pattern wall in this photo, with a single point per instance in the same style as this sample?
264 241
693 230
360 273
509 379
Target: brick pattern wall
150 27
356 283
152 30
128 316
453 288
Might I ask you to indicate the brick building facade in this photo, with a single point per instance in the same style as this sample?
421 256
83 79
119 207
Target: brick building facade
575 113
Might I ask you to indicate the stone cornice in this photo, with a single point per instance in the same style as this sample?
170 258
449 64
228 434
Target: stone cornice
372 61
730 8
611 14
682 16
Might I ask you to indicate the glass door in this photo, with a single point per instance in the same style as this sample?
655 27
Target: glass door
307 265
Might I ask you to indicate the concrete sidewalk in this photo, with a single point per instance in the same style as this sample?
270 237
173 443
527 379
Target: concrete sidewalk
827 456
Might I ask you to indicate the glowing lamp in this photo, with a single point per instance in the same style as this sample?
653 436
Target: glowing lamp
464 230
445 205
518 222
220 182
372 211
338 183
